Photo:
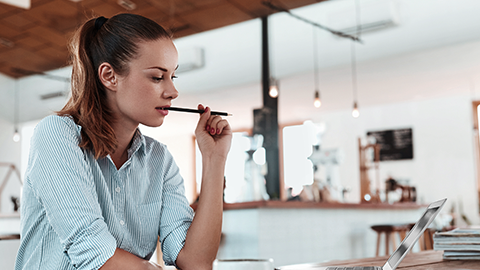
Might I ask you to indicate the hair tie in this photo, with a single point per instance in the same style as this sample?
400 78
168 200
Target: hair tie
99 22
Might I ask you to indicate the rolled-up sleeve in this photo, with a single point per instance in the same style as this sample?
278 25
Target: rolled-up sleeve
176 215
61 181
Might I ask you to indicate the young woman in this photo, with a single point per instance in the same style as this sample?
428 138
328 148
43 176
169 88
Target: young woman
98 193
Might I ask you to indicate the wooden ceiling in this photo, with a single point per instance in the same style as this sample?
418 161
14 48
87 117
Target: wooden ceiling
36 39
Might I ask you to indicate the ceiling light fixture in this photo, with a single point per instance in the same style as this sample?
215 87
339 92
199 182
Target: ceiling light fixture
16 134
273 92
355 111
317 102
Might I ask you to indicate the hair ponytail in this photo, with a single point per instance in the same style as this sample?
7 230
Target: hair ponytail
113 41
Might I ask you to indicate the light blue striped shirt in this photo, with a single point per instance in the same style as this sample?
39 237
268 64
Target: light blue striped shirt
77 210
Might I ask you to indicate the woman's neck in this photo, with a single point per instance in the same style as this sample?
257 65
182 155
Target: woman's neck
124 138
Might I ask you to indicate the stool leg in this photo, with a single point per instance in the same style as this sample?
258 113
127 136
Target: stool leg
387 243
378 244
421 242
394 241
429 239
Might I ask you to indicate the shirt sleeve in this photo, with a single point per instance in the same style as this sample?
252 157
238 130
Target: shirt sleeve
62 182
177 215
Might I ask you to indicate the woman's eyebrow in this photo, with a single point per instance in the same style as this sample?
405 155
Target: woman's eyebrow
162 68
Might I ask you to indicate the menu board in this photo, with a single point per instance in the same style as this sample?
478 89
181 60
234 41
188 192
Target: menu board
396 144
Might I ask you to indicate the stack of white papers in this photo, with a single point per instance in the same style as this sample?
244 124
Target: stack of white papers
458 244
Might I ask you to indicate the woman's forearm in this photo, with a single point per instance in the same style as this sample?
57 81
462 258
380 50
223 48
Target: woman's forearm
125 260
203 237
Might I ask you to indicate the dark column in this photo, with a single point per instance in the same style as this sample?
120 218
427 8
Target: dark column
266 121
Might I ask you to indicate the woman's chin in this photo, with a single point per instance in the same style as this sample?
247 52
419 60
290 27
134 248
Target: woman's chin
153 124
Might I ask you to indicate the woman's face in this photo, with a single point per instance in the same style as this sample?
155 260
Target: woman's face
148 86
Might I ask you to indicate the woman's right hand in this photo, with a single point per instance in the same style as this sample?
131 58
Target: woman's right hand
214 135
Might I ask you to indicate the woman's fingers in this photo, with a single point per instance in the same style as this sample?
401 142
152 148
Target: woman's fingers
213 124
203 121
221 125
216 124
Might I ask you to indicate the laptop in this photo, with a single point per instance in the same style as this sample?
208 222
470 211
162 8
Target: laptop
397 256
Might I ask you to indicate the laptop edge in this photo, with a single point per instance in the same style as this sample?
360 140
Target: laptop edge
412 237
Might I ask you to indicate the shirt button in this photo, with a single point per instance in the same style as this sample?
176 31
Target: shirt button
122 222
117 189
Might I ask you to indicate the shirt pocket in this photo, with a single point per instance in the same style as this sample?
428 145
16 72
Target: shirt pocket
149 215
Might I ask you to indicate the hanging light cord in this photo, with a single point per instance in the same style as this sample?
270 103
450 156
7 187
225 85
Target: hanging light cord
354 73
315 59
15 109
354 58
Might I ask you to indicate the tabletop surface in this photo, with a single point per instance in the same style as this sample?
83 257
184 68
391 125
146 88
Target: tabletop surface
425 260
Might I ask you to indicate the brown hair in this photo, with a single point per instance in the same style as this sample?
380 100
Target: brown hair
97 41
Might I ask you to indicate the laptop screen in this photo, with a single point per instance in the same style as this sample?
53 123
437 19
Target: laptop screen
415 233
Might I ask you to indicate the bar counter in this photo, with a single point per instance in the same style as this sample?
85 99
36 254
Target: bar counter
300 204
300 232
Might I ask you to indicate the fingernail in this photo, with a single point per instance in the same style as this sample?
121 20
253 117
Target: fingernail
208 127
218 131
213 131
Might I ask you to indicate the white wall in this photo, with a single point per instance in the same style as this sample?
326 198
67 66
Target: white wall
443 163
9 153
9 150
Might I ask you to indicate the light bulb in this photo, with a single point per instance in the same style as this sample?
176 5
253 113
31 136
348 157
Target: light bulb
317 102
273 91
355 112
16 136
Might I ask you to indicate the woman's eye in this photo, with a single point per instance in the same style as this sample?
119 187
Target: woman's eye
158 79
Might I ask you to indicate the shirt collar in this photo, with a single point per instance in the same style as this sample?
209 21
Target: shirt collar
138 143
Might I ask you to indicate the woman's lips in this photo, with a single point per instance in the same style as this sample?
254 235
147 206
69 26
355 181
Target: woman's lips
162 111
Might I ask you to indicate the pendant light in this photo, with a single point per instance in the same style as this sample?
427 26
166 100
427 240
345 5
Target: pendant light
16 134
273 91
317 102
355 111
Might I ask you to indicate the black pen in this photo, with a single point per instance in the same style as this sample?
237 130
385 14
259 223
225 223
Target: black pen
195 111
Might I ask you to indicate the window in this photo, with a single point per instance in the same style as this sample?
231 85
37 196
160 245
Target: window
476 124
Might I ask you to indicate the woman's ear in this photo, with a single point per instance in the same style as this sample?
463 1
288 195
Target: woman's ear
107 76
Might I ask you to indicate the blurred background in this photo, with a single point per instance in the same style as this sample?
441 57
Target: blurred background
413 79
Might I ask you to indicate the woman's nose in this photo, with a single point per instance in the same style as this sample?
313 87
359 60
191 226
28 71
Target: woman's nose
171 92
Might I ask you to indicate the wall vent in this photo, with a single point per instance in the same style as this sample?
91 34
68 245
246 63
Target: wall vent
190 59
53 95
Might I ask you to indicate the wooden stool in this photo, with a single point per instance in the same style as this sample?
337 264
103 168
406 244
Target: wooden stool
389 230
426 240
